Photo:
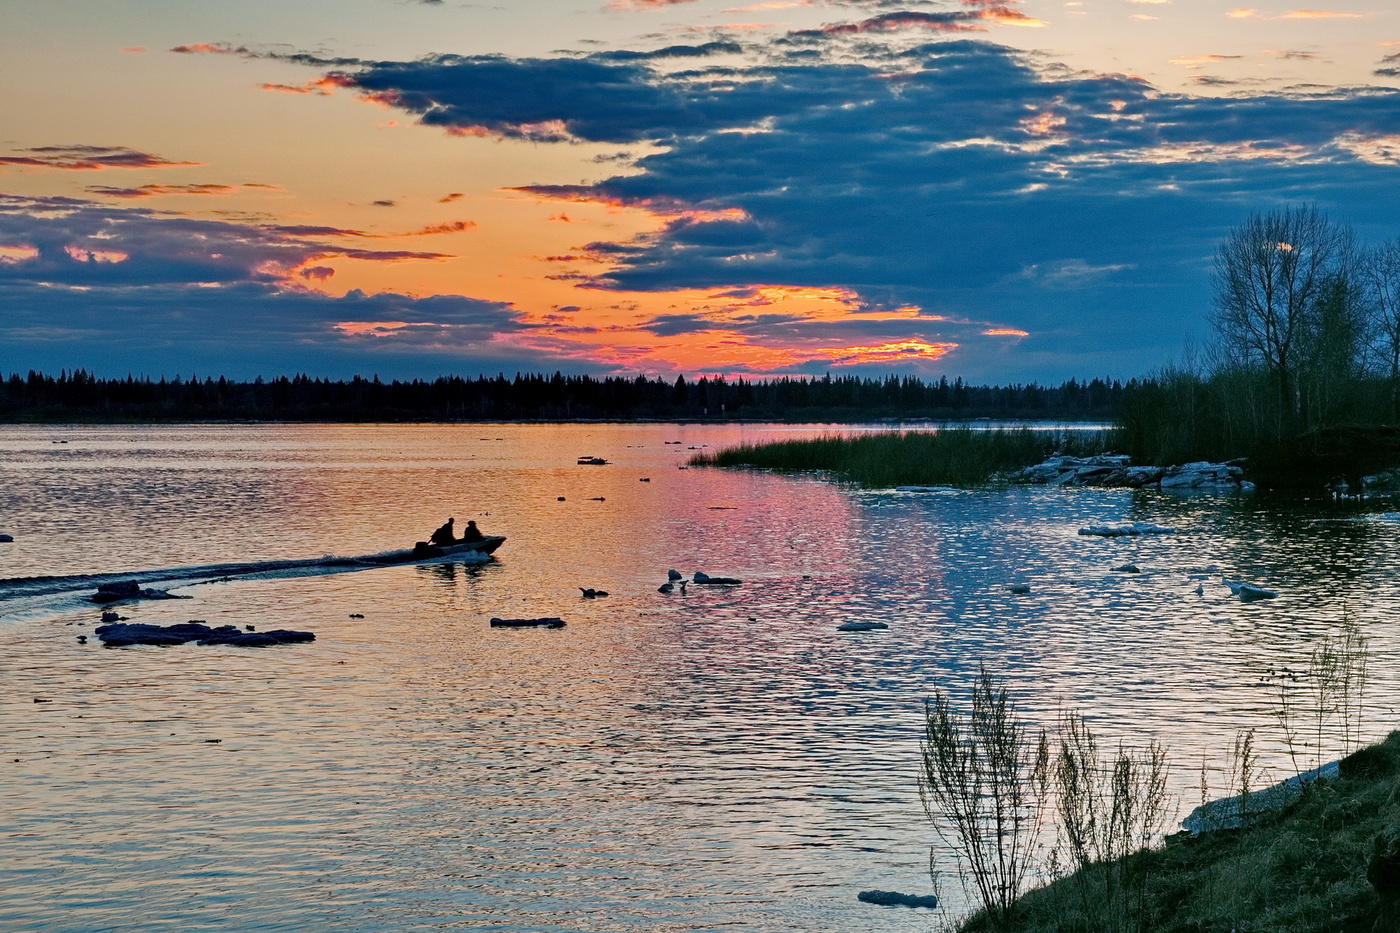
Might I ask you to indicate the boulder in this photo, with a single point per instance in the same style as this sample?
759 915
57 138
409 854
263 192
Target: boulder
6 539
896 899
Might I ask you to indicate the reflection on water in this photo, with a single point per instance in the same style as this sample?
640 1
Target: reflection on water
719 760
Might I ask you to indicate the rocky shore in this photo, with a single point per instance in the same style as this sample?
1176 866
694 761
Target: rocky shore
1117 470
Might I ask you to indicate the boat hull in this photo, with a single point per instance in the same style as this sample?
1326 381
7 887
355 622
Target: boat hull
424 551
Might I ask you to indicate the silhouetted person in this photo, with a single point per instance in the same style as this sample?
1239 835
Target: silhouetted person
443 535
472 533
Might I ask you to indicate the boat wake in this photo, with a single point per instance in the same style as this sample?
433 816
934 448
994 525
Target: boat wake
27 597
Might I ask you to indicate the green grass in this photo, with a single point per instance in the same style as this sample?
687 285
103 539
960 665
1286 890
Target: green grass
1301 870
944 457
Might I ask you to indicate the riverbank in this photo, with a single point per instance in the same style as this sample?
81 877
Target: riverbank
1328 863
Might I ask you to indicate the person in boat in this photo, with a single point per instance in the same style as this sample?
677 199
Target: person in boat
444 534
472 533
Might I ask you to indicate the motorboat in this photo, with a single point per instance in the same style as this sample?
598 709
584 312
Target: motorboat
482 548
592 461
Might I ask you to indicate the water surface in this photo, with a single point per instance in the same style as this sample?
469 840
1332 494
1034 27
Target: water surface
719 761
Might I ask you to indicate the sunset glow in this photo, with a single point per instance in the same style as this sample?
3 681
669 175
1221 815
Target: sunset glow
771 188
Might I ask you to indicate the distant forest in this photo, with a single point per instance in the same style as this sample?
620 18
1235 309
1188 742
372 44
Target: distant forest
81 397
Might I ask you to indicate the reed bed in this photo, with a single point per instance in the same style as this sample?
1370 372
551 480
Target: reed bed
954 456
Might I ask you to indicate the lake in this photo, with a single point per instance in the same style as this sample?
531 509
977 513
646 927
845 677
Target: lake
719 760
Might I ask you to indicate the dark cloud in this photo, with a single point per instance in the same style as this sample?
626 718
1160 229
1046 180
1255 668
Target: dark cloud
249 329
73 242
82 157
953 175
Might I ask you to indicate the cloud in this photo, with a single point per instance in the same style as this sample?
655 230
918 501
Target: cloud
384 203
451 226
1319 14
151 191
249 329
74 242
88 158
930 174
1196 61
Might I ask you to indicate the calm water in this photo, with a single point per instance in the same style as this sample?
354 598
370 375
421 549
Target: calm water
719 761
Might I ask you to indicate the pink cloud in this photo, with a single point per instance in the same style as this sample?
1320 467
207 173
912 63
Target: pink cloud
80 158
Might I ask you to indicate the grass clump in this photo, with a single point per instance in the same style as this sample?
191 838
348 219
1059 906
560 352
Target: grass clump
1328 863
945 457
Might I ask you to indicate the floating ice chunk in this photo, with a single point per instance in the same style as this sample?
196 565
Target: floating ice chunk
1127 531
861 626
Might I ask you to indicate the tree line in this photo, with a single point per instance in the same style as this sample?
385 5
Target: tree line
1303 375
80 396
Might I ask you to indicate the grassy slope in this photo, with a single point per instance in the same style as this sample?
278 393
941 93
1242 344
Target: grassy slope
1303 870
948 457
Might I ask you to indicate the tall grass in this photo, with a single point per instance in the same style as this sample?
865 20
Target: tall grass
984 785
945 457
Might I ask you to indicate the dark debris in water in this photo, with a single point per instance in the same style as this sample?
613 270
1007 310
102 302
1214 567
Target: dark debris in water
896 899
125 590
124 634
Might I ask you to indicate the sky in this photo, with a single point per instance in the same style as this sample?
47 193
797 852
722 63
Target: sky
998 190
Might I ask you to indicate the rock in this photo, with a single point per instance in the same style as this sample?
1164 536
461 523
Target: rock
1127 531
357 615
561 499
665 588
860 626
546 622
122 635
706 580
6 539
590 593
1204 476
1234 812
125 590
110 616
896 899
674 576
1127 568
1383 871
1018 588
644 479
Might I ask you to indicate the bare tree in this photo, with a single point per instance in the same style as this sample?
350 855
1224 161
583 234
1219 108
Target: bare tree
1273 275
1381 280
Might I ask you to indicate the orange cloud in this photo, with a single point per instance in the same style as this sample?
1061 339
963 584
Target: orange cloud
454 226
1242 13
1005 332
1319 14
150 191
13 253
134 49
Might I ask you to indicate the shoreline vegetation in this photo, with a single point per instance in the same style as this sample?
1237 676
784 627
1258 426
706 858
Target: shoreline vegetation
951 456
1054 833
1300 386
